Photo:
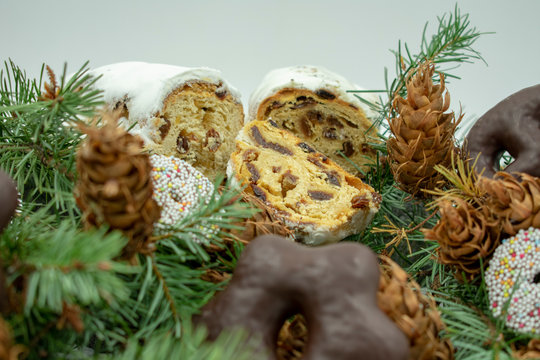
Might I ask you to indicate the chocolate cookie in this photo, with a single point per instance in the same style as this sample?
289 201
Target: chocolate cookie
512 125
8 199
334 287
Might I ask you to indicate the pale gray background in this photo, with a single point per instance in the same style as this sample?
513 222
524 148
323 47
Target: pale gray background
246 39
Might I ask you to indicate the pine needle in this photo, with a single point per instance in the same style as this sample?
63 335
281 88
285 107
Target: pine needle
463 178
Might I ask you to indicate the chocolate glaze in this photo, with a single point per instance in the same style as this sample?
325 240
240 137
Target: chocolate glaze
512 125
334 287
8 199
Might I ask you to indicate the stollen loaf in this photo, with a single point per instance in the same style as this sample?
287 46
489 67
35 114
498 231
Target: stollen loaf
189 113
308 192
314 104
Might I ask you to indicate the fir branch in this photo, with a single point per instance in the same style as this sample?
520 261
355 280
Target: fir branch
30 223
147 310
37 139
74 267
172 279
157 297
63 267
16 88
166 290
400 233
151 307
397 220
471 332
450 46
193 346
462 177
208 224
423 267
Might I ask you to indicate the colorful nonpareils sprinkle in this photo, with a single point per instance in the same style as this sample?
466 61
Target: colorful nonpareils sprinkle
178 188
510 278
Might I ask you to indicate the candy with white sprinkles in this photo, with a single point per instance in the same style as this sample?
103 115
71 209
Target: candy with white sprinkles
178 189
511 280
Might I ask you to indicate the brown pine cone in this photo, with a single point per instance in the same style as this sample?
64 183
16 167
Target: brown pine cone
8 351
402 300
514 200
292 339
414 313
531 351
465 234
423 133
114 185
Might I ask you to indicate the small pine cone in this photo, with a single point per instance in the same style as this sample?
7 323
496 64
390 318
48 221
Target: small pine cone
423 133
515 201
465 234
414 313
292 339
531 351
262 223
8 351
115 187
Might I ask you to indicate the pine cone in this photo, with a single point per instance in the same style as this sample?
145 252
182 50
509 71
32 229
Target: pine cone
515 201
8 351
465 234
423 133
115 187
292 339
531 351
414 313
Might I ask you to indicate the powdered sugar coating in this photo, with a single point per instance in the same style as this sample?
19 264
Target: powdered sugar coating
146 85
311 78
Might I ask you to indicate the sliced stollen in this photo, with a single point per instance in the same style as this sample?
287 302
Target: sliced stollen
304 189
313 103
190 113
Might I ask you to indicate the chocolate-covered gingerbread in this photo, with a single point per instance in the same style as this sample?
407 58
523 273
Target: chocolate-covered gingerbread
512 125
8 199
334 287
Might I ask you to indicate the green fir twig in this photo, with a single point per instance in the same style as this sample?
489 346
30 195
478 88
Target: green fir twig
37 137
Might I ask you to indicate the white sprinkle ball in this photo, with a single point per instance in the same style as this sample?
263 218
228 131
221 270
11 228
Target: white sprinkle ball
510 279
178 188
